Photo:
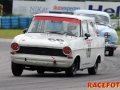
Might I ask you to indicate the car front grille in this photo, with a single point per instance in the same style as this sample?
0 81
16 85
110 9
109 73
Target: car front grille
40 51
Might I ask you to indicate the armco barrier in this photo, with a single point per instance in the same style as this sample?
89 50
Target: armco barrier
117 23
14 22
23 20
7 22
29 19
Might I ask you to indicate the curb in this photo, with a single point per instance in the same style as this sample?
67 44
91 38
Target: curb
5 40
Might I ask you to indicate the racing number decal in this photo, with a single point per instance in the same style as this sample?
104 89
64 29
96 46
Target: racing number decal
88 50
53 39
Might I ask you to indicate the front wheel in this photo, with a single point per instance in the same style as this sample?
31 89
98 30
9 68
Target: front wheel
71 71
93 70
17 69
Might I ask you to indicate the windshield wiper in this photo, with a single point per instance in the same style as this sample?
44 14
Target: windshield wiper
35 32
54 32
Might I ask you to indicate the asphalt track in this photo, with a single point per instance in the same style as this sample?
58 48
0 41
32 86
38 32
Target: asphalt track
109 71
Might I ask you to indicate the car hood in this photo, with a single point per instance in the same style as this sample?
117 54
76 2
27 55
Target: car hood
102 28
43 40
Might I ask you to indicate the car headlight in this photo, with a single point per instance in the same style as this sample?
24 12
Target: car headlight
15 46
67 50
107 35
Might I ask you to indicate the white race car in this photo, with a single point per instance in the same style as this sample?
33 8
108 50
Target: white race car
58 42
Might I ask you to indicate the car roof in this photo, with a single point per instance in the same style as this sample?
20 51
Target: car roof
91 12
67 16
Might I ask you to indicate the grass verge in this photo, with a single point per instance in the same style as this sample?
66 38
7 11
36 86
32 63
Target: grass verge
118 32
11 33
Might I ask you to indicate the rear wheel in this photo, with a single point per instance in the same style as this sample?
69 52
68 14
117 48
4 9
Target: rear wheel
39 71
93 70
111 52
71 71
17 69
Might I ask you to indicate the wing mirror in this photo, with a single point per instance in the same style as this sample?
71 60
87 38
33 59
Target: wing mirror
25 30
87 35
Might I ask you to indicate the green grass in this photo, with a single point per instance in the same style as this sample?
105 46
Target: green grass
118 32
11 33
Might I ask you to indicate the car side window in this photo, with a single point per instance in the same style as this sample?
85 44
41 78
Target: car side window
91 28
72 29
84 27
35 26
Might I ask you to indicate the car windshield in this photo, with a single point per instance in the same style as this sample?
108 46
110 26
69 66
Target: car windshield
102 20
54 25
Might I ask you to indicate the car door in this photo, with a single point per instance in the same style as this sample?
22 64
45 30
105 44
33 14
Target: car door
86 62
94 39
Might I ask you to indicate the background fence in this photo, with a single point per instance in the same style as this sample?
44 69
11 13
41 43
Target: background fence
7 22
117 23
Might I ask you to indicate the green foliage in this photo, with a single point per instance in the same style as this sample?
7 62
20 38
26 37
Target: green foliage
8 14
113 17
118 29
118 32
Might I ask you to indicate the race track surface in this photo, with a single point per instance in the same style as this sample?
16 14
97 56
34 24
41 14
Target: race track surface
109 71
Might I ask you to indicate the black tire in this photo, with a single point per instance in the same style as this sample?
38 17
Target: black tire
39 71
17 69
71 71
93 70
111 52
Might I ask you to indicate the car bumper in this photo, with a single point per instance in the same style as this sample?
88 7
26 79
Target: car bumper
111 45
41 60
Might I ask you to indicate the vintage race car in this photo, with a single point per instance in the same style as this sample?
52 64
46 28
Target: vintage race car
57 42
104 28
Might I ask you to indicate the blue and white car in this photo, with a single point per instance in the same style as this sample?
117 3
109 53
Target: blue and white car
104 28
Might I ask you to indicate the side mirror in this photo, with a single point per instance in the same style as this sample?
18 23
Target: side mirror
25 30
97 33
87 35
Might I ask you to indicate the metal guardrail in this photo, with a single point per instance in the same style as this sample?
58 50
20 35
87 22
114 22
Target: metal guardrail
117 23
